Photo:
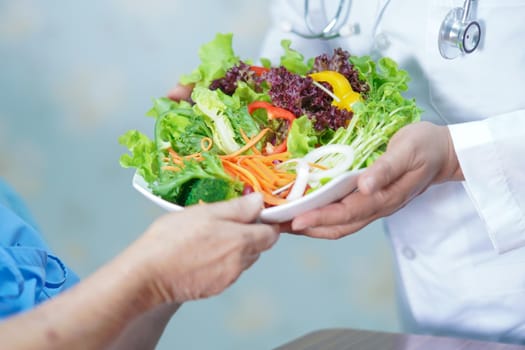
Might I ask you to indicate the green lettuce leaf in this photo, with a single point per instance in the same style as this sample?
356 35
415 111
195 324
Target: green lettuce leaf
143 155
209 167
225 116
302 137
294 60
216 58
382 114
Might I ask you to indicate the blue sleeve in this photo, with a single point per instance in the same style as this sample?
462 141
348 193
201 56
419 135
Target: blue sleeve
29 272
10 199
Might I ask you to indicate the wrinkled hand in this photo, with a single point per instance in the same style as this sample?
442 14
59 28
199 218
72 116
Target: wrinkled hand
202 250
417 156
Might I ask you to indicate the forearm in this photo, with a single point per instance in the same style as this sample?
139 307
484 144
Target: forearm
145 331
182 256
89 316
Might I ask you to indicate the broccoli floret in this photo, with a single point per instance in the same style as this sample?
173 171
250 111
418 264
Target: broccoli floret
175 185
210 190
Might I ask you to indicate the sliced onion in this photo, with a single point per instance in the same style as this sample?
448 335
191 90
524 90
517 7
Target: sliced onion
286 163
304 176
327 91
301 180
284 188
342 165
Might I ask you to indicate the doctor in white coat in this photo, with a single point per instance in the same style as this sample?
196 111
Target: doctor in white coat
452 188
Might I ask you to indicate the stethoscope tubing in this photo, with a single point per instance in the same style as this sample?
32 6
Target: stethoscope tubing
333 27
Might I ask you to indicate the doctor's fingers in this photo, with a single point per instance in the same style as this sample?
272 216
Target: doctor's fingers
358 209
333 232
419 147
338 219
389 167
180 92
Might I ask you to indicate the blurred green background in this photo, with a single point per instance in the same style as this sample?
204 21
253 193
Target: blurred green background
74 76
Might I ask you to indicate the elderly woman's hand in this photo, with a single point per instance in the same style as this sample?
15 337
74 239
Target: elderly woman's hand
417 156
187 255
198 252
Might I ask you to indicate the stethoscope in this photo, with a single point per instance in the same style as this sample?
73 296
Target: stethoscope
458 34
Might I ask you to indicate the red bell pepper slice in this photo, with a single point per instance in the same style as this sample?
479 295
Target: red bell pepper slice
259 70
274 112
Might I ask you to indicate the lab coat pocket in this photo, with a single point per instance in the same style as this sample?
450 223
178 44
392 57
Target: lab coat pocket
492 294
486 82
503 276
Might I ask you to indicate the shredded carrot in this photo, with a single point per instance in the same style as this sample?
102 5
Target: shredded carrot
173 154
197 156
206 143
255 169
244 136
178 161
253 141
247 139
262 170
283 182
273 200
244 174
267 159
170 168
318 166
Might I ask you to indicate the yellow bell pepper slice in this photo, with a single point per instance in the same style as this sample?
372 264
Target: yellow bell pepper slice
341 86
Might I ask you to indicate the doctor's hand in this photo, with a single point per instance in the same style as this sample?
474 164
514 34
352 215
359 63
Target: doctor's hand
417 156
198 252
180 92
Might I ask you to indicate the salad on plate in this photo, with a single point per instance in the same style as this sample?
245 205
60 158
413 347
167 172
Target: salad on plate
284 129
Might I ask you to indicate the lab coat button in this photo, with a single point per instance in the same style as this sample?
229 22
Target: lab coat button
408 253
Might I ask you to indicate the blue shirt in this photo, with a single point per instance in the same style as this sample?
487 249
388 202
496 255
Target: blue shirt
29 272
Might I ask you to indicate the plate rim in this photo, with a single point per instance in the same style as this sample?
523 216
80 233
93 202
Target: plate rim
274 214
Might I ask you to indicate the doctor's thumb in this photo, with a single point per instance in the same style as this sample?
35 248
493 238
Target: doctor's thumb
379 175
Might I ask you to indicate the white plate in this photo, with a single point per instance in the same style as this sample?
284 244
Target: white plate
331 192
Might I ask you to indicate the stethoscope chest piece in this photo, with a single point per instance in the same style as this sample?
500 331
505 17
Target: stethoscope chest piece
458 35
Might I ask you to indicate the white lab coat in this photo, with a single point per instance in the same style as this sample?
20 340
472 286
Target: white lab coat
459 247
